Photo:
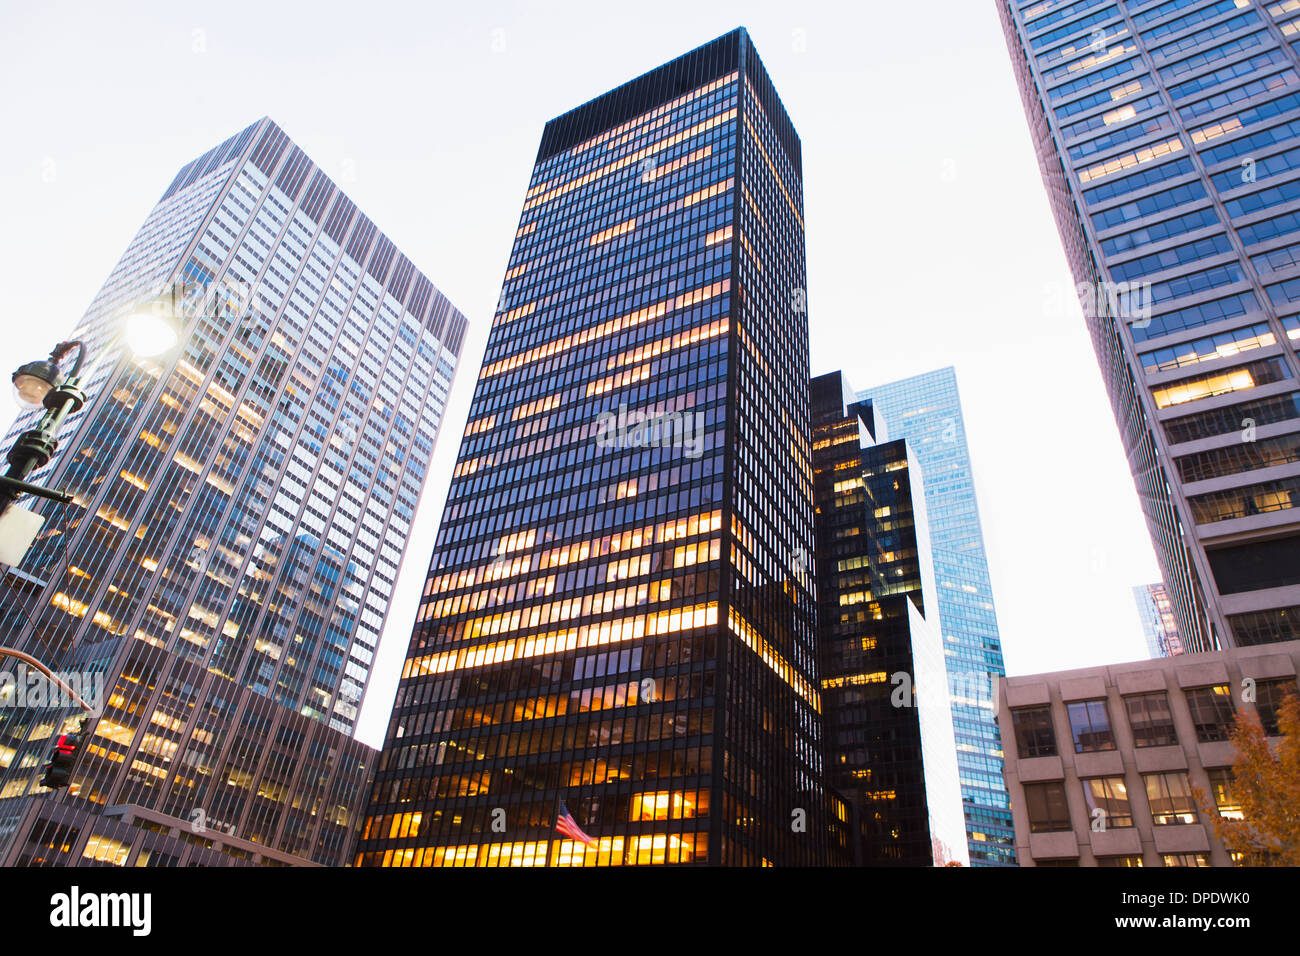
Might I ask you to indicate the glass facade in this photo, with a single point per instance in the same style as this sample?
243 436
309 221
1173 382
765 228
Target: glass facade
242 507
890 749
926 410
614 617
1168 133
1159 626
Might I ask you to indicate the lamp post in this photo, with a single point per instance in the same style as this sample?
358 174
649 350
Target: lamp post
37 385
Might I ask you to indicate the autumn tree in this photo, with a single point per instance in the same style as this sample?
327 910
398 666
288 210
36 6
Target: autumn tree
1266 786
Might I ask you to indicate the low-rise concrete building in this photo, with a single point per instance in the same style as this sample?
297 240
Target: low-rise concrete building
1102 763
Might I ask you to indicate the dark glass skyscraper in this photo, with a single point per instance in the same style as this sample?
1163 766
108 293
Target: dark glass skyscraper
618 612
1168 135
926 410
890 751
242 506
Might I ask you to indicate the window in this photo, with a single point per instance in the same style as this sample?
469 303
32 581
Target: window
1270 626
1046 806
1269 695
1221 789
104 849
1119 861
1245 501
1209 348
1035 736
1150 719
1212 712
156 858
1220 381
1170 798
1186 859
1109 795
1090 726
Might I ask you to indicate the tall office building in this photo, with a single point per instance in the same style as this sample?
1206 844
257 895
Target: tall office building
242 506
890 750
926 410
1159 626
618 616
1168 135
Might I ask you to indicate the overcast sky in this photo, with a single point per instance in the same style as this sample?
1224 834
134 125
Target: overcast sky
930 241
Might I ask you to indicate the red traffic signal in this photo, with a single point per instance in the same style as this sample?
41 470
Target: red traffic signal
58 770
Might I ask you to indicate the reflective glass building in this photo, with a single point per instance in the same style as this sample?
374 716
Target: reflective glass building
1159 626
1168 135
618 614
242 506
890 750
926 410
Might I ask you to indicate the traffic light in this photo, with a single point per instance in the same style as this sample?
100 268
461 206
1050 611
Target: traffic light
58 770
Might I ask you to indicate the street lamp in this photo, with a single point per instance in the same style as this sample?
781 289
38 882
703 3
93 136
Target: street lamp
150 330
37 385
33 381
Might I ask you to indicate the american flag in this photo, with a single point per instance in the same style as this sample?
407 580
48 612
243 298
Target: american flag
565 823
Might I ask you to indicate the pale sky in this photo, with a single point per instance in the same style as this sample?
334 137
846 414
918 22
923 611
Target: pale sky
930 240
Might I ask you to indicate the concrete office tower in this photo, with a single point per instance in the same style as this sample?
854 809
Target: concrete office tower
1158 623
926 410
1168 134
890 750
616 617
1103 762
242 507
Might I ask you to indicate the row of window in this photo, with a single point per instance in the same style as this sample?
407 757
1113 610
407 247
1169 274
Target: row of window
1150 719
1109 803
1168 859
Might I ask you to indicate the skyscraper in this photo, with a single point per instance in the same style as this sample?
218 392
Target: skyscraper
926 410
1168 139
890 750
618 614
1158 623
242 506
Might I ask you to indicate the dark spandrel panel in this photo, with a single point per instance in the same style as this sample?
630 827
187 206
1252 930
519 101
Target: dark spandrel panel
417 299
318 195
687 72
270 147
402 272
293 172
439 309
381 259
340 218
1257 566
359 241
456 333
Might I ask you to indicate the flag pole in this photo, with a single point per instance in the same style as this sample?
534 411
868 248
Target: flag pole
555 820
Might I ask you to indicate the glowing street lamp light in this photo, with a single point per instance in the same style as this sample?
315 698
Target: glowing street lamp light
152 329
